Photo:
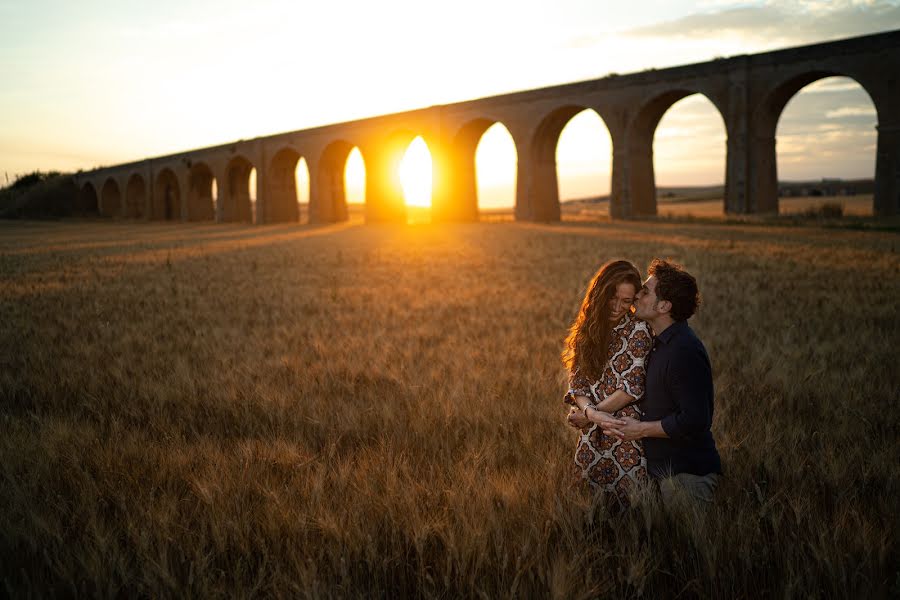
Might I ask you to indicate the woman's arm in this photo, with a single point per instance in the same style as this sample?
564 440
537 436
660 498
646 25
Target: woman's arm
602 412
581 401
615 401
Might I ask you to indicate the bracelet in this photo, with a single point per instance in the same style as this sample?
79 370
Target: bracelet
587 406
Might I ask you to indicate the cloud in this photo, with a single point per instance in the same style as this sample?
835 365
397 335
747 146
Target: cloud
778 23
851 111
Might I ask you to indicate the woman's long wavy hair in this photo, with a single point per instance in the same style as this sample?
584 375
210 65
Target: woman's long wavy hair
587 345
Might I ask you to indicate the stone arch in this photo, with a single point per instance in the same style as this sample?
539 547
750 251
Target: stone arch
135 196
283 200
460 188
200 203
330 200
764 188
544 175
166 197
111 198
87 200
642 130
234 192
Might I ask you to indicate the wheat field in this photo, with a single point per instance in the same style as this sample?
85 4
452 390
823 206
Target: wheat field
349 410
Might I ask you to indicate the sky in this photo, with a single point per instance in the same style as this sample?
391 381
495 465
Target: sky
96 83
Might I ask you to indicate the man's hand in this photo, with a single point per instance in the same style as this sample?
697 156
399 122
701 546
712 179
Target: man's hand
629 429
604 419
577 419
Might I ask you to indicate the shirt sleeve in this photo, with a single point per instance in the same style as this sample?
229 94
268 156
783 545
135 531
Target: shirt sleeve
578 386
637 349
689 379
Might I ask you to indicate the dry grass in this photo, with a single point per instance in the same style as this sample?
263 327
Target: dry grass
291 411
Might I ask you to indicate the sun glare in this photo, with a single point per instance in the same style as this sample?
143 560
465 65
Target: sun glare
415 174
355 178
301 179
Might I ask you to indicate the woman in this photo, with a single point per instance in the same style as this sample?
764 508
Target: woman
605 353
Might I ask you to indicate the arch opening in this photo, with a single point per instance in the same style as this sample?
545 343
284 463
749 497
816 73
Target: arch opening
482 170
302 184
329 205
87 201
584 158
495 170
111 199
689 159
826 147
416 173
683 126
571 160
355 177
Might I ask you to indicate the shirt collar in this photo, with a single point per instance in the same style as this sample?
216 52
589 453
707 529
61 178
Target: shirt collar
671 331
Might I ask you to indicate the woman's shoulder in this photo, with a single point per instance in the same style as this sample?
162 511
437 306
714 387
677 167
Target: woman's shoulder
630 324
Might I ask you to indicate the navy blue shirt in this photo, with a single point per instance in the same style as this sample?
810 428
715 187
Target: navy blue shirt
679 392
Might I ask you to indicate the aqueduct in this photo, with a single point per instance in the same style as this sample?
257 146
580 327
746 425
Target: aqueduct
749 92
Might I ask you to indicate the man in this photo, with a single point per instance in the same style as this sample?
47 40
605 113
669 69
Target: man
678 402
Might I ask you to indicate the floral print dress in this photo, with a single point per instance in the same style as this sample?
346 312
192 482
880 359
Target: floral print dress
606 463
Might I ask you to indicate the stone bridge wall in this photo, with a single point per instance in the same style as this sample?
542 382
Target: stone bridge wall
750 92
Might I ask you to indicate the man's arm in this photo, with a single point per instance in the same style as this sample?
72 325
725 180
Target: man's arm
689 382
690 386
632 429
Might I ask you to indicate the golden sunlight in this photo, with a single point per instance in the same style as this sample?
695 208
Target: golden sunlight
495 166
416 173
301 181
355 178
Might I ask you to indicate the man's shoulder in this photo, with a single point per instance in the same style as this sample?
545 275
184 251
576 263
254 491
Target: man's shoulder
688 346
686 336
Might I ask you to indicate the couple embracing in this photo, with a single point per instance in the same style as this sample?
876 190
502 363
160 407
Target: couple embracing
640 386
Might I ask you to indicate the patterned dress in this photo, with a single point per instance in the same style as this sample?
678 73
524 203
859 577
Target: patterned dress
607 464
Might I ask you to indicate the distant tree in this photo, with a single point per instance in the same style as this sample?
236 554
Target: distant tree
40 195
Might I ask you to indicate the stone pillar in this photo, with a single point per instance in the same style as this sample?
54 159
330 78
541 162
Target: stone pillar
737 152
319 189
454 193
235 195
281 192
639 169
218 208
327 199
736 171
384 192
762 172
183 175
619 190
537 193
123 193
262 185
887 170
524 210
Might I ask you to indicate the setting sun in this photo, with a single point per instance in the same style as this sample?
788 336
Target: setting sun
415 174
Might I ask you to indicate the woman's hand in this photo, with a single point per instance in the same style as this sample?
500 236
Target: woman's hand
577 419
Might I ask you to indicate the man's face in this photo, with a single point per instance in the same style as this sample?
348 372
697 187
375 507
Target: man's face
645 301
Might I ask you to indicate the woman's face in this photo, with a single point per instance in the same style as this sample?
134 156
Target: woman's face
621 302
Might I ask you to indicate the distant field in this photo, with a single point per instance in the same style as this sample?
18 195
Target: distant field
357 411
858 206
854 206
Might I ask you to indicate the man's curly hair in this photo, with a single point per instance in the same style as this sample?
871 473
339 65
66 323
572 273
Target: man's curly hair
677 286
